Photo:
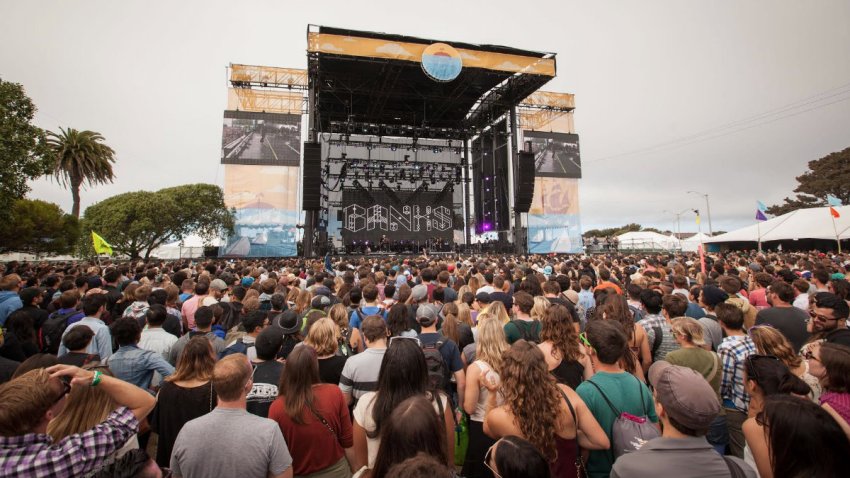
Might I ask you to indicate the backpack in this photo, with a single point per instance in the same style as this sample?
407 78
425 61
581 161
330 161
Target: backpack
636 313
528 332
239 347
656 343
628 432
438 370
50 335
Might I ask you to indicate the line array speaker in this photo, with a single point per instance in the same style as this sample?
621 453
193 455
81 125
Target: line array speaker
312 177
525 182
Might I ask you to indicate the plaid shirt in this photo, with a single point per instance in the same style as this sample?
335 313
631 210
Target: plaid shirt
35 454
733 351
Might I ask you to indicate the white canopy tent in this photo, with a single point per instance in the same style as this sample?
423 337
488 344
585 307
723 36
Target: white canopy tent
813 223
647 240
692 243
189 247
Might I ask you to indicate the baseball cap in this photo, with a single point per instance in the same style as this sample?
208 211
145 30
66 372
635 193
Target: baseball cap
320 302
218 284
547 270
713 295
483 297
419 292
685 394
247 281
269 341
426 315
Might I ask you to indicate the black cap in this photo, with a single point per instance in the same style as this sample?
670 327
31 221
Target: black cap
483 297
288 321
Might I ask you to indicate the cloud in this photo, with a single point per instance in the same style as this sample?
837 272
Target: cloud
393 49
508 65
350 40
329 47
469 56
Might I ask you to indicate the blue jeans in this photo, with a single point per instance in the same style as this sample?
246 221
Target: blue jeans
718 434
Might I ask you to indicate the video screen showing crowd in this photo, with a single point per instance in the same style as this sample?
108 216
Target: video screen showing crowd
473 365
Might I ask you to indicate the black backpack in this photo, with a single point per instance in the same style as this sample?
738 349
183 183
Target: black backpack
50 335
438 371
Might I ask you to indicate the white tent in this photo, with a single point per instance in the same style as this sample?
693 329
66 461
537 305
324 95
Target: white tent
692 243
813 223
647 240
190 247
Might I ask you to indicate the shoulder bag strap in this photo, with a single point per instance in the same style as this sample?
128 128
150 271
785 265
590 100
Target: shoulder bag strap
656 341
735 470
324 422
580 472
605 397
714 367
440 407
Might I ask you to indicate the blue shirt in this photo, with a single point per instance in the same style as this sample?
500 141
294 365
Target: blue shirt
355 320
100 344
136 366
586 301
9 302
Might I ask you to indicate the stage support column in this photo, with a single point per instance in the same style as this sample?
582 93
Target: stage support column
466 211
519 243
310 217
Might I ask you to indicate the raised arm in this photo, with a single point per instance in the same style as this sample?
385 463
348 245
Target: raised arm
125 394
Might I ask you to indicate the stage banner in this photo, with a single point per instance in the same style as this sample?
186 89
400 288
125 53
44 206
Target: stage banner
410 216
555 154
553 220
261 139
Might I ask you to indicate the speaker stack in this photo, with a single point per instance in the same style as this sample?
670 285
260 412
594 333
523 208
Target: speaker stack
312 177
524 193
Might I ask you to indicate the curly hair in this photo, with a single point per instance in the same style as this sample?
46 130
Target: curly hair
770 341
532 395
556 326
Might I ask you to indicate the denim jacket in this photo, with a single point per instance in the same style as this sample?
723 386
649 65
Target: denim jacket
135 365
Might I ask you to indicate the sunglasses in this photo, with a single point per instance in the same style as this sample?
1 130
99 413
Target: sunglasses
750 362
819 317
487 457
583 337
66 389
809 355
415 339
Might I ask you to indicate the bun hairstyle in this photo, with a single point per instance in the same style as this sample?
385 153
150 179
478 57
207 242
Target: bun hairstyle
773 377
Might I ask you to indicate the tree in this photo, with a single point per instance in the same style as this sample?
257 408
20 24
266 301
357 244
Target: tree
23 149
80 157
827 175
38 227
138 222
613 231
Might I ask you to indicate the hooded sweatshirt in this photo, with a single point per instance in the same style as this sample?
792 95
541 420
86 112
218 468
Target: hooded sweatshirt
9 302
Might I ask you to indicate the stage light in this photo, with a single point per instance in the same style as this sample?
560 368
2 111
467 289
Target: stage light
393 147
406 158
343 155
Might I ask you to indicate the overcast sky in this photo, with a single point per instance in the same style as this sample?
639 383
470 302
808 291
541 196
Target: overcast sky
730 98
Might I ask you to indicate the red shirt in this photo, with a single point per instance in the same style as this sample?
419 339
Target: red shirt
608 284
313 447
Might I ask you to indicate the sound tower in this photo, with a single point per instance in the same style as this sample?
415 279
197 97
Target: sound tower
524 193
312 177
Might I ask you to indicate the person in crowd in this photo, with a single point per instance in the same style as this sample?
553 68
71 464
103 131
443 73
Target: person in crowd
451 365
453 328
173 323
360 373
184 395
192 304
267 371
693 354
801 294
32 298
94 306
770 341
586 301
203 321
253 323
515 457
254 448
489 348
792 436
413 427
656 325
372 306
313 418
565 356
606 343
523 326
351 339
767 376
551 416
35 398
291 325
10 301
829 319
422 465
155 338
76 341
131 363
686 405
403 374
497 308
140 305
323 336
639 357
830 363
733 352
128 296
399 321
20 341
783 316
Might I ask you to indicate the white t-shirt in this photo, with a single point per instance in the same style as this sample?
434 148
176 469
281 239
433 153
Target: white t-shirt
483 393
363 417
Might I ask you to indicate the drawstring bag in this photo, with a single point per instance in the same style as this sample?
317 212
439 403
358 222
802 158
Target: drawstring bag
629 432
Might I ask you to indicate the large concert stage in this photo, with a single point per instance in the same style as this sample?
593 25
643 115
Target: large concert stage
408 144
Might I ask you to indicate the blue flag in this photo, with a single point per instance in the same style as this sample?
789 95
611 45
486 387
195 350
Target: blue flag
328 267
832 200
760 206
760 216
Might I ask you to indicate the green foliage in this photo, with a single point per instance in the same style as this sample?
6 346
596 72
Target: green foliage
38 227
138 222
827 175
80 158
23 150
613 231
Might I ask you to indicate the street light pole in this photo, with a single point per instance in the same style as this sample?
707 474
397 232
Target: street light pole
707 209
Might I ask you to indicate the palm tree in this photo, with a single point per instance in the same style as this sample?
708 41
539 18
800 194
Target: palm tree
80 157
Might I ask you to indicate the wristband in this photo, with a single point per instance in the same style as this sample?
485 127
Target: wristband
95 380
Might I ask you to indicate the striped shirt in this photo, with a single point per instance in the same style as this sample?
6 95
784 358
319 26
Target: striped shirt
668 344
360 373
733 351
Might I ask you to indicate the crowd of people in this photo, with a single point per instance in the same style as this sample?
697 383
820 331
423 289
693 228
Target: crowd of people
473 366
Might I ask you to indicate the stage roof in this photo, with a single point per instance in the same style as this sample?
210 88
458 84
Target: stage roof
376 80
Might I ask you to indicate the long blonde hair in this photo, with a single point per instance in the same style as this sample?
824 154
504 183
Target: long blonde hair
491 341
464 315
539 308
302 303
85 407
497 308
323 336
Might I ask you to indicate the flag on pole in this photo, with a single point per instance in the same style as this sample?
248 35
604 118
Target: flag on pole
760 215
100 245
761 207
698 222
833 201
834 212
